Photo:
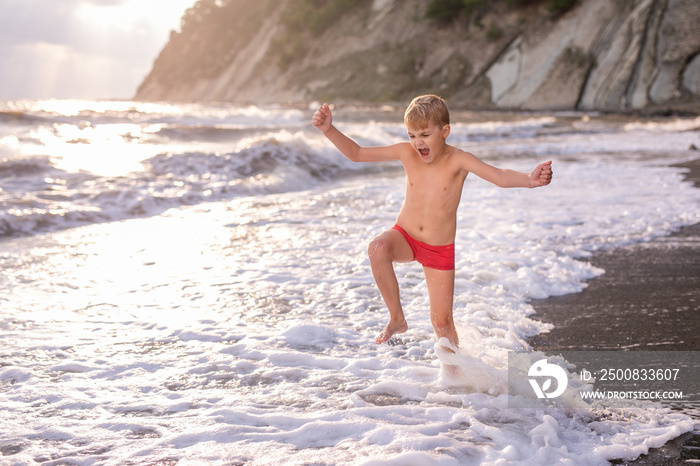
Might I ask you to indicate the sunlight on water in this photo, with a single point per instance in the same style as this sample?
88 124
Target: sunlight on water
106 150
190 284
77 107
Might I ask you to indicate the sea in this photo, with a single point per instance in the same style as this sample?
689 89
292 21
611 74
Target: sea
188 284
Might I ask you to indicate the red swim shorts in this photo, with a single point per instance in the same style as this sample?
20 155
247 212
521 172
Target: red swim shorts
435 257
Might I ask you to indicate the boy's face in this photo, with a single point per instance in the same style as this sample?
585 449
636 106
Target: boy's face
429 142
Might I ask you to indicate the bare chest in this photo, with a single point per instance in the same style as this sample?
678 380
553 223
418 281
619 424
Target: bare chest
434 188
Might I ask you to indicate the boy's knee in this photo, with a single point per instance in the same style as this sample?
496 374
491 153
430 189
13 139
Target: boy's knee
378 250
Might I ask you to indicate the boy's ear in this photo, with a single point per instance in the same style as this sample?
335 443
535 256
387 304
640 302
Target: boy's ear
445 131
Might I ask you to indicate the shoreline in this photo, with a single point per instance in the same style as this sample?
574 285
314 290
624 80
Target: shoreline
647 299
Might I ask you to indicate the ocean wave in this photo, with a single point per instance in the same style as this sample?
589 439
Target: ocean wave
31 165
50 199
21 222
101 112
17 117
264 156
675 125
496 130
68 163
200 133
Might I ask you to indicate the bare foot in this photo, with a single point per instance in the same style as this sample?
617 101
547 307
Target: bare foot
389 331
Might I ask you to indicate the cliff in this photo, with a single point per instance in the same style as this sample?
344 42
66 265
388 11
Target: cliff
612 55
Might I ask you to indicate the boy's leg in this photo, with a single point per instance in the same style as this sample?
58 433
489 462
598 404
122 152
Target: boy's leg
387 248
441 286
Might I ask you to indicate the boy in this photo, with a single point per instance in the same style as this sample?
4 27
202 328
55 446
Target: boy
427 223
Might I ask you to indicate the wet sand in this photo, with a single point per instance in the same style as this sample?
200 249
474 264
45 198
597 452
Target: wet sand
648 299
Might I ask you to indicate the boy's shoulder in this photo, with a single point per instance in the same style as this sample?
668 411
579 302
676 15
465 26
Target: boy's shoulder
459 152
460 155
403 148
462 159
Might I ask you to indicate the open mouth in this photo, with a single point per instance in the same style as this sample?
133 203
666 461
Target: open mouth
424 152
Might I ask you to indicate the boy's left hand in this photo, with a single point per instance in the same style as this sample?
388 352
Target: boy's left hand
541 175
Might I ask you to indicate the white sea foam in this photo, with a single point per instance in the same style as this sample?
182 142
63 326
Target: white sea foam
241 330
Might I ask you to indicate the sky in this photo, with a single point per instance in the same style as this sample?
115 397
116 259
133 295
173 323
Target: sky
82 49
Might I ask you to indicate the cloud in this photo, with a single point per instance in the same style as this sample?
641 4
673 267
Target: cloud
79 48
107 2
24 21
88 26
44 70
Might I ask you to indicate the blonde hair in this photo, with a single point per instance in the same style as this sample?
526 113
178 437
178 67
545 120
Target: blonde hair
426 109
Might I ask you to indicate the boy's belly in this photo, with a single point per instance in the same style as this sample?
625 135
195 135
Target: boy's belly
431 229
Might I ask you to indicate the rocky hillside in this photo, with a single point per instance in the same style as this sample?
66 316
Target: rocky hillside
615 55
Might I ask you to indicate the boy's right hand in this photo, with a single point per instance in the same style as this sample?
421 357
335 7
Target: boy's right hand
322 118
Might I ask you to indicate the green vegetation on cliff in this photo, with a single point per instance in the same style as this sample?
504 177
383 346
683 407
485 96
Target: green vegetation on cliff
304 21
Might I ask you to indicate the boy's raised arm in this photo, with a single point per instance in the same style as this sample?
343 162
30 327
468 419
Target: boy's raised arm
504 178
323 120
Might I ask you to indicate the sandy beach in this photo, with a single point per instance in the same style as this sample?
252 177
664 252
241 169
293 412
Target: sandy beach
647 299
